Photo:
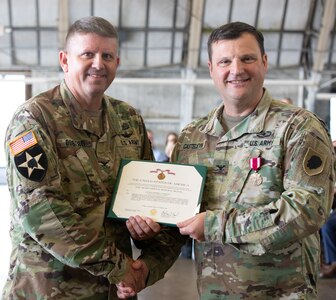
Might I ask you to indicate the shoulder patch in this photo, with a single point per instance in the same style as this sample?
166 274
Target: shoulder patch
313 162
22 142
32 163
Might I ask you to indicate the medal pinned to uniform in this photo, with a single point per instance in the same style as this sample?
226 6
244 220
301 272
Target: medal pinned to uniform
255 163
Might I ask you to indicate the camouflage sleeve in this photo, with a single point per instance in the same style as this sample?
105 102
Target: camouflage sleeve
40 206
303 207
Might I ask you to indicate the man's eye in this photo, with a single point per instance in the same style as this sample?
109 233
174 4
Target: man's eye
108 56
248 59
88 54
224 62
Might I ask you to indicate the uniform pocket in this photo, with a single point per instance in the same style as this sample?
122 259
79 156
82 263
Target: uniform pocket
80 182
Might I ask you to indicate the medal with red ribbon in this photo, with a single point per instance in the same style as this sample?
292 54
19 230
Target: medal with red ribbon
255 163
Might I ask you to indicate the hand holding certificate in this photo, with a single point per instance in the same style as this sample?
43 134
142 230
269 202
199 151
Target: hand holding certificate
168 193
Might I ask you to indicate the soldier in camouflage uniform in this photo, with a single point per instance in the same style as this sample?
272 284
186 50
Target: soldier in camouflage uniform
63 151
269 184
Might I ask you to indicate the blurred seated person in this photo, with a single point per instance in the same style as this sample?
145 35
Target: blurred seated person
328 232
158 154
171 141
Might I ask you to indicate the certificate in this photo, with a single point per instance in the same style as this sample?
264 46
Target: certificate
166 192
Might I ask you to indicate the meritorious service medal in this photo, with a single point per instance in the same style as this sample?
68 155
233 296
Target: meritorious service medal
161 176
255 163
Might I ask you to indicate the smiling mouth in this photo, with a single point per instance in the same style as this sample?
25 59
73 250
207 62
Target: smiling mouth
97 75
241 81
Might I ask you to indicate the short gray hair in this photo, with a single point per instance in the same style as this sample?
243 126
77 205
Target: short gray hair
92 24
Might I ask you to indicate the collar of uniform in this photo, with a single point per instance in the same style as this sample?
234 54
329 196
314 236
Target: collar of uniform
76 111
253 123
213 126
258 116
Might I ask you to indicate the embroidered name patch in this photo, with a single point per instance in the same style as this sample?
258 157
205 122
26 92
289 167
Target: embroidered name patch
193 146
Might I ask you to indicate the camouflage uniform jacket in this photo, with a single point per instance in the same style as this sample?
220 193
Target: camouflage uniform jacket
261 226
61 176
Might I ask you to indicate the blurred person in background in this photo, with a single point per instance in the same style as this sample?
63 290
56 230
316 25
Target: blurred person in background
171 140
158 154
328 232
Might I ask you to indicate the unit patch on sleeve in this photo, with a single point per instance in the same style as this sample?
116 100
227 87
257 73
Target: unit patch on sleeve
313 162
29 157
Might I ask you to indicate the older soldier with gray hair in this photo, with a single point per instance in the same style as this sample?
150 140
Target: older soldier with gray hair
63 151
269 185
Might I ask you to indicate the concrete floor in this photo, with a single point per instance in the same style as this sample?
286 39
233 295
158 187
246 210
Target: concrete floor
178 284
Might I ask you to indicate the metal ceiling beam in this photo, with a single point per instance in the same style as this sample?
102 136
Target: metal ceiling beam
306 55
11 34
257 14
195 33
321 53
38 32
146 33
63 21
172 51
187 97
326 27
184 80
332 41
281 33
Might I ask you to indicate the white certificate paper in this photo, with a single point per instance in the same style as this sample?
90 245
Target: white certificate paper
166 192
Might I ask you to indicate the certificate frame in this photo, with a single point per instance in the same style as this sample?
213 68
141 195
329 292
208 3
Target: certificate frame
166 192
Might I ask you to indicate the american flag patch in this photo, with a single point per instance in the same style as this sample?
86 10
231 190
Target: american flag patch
23 142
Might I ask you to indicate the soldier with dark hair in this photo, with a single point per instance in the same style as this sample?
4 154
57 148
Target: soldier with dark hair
328 232
63 151
270 180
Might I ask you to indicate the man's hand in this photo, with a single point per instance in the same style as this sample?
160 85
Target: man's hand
194 227
134 281
142 228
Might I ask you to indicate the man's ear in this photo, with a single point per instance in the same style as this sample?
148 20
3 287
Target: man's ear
210 68
265 61
63 60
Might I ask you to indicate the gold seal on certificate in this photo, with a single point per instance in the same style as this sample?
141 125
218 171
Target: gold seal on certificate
166 192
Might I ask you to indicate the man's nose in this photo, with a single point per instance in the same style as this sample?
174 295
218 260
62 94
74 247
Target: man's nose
237 66
97 62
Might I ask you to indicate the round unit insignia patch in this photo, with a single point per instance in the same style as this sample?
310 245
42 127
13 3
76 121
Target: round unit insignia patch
313 162
32 163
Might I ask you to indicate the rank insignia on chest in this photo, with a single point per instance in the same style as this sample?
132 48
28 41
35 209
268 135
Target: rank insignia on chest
255 164
29 157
